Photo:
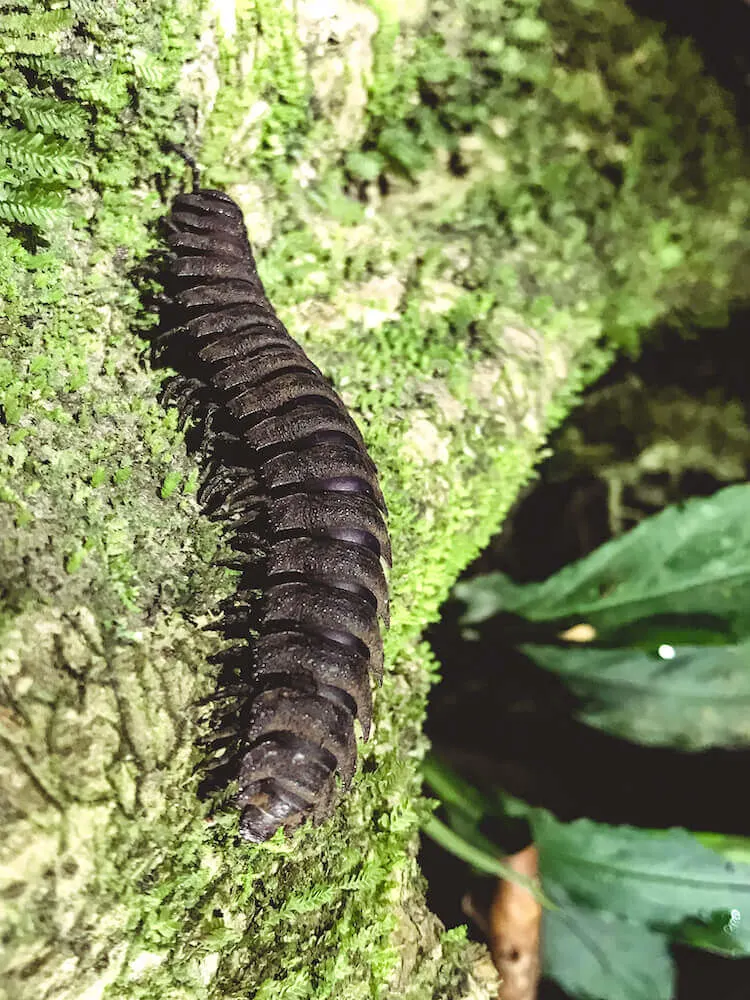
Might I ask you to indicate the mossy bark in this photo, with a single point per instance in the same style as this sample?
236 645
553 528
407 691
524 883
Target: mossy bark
450 211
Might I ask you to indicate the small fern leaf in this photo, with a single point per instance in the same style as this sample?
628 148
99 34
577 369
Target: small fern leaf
27 213
39 23
85 9
147 69
28 46
38 156
46 114
62 67
112 91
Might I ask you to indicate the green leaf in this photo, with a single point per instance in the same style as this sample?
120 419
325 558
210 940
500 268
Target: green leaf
691 698
27 213
656 877
398 145
49 114
592 954
688 559
727 933
32 45
621 882
528 29
366 166
453 790
730 846
486 596
482 860
171 482
671 630
36 23
38 155
148 69
465 808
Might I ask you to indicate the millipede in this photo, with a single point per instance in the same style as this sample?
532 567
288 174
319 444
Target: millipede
287 471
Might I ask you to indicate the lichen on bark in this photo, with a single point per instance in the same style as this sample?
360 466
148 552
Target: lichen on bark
451 210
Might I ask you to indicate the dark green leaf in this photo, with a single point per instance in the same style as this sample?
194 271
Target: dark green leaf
727 932
689 559
674 630
696 886
595 955
691 698
654 877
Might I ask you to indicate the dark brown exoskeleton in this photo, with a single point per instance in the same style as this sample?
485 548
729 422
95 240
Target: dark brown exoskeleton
290 475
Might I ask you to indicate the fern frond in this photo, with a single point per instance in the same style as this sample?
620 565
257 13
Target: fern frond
85 9
111 92
38 156
28 46
312 899
32 204
46 114
43 22
28 213
147 69
66 67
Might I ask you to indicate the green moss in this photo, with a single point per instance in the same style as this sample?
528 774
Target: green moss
269 106
579 135
69 349
452 272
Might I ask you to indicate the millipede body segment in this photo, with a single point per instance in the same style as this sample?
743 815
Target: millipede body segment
288 471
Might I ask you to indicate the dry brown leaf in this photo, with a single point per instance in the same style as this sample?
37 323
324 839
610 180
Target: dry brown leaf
514 930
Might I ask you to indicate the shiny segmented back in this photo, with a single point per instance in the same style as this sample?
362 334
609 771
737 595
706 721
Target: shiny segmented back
290 473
